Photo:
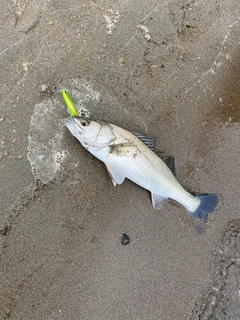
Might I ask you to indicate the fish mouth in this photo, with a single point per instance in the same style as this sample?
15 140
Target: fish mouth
73 127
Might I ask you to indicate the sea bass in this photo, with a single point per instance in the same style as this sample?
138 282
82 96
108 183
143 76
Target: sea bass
132 155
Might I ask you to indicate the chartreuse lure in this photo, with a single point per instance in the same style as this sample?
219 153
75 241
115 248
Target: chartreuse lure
70 105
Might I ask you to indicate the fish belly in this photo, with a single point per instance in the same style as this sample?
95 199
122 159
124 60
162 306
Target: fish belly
148 171
152 174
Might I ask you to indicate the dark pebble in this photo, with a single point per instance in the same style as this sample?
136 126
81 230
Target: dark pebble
125 239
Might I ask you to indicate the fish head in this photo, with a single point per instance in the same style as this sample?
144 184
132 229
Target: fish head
91 133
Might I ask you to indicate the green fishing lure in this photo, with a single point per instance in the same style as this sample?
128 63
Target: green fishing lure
70 105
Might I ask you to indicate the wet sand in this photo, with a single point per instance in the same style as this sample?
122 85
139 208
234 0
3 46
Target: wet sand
169 69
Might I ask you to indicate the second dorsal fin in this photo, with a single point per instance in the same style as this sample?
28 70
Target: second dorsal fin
169 161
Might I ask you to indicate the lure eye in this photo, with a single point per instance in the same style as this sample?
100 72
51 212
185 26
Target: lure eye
85 122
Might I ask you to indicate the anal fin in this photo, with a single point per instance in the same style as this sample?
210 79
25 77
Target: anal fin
158 201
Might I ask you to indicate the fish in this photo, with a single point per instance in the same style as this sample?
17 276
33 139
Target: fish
132 155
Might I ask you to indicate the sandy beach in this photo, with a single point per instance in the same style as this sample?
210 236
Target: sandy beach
170 69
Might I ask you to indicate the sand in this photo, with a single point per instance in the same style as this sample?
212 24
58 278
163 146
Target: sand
166 68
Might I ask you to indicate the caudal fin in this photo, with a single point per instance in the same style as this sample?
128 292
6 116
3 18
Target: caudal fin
208 204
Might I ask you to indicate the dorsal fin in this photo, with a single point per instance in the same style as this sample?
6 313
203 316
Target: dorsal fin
148 140
169 161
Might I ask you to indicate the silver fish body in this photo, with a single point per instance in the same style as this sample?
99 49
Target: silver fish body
127 156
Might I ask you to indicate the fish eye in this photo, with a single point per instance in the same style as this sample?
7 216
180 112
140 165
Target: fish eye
85 122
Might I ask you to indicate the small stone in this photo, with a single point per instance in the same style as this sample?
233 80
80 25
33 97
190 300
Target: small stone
43 87
125 239
121 61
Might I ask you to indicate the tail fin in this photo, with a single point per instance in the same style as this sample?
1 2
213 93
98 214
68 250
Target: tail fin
208 204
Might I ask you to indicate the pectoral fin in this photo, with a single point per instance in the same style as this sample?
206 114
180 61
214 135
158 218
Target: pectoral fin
123 150
158 201
116 175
